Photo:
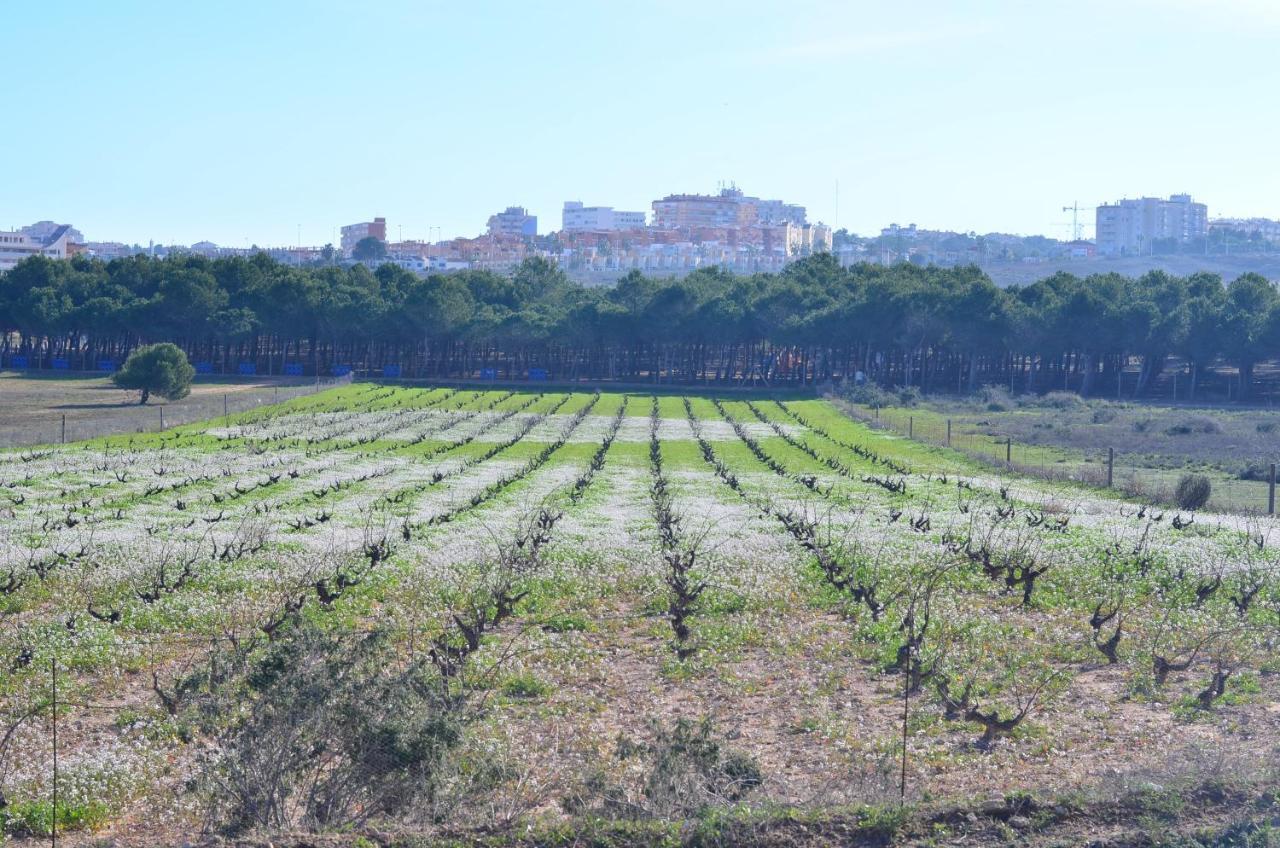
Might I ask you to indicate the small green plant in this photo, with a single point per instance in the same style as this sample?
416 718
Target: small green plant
566 622
1193 491
35 818
808 724
525 685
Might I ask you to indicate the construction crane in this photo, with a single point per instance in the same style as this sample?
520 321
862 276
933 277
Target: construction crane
1075 210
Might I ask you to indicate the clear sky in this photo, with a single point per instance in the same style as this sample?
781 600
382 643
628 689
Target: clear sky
238 122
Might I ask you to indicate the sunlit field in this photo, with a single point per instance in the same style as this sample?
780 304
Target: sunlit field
847 617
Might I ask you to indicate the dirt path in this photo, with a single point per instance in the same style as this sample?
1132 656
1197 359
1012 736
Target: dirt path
32 408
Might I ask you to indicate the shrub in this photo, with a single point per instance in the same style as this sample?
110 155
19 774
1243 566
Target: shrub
909 396
1197 424
1103 415
869 394
1060 400
160 369
690 771
1143 425
1267 427
1193 491
996 399
1255 470
334 730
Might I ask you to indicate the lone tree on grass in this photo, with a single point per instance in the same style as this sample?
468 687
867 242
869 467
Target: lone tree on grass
160 369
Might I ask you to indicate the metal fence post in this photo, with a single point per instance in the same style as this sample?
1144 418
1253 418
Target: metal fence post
911 426
64 428
1271 491
162 418
948 432
1111 466
1008 451
53 813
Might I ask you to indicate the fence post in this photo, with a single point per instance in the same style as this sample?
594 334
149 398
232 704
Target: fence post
911 426
224 406
64 428
162 418
1271 491
1111 466
948 432
1008 451
53 813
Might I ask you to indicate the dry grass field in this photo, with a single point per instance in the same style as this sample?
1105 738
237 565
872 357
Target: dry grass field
32 407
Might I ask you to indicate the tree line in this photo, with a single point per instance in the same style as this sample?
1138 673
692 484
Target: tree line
938 329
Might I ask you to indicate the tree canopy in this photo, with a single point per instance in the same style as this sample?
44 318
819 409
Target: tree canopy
160 369
369 249
906 325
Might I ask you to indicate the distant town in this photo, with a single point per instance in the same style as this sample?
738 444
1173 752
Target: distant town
727 229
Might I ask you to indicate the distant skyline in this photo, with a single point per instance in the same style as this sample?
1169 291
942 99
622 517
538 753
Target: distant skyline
246 122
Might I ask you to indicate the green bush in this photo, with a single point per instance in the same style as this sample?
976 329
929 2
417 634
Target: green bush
909 396
1255 470
1103 415
160 369
996 399
1199 424
1059 400
331 728
869 394
1193 491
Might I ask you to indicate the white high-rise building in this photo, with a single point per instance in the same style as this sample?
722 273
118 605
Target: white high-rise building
579 218
1138 227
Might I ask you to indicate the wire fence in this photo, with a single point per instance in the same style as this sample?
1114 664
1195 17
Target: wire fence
1105 467
112 419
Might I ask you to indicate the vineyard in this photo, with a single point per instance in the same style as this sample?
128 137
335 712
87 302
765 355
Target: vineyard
414 609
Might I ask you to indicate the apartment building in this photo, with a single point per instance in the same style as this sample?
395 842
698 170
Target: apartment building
513 221
1146 225
352 234
729 208
578 218
1265 228
17 245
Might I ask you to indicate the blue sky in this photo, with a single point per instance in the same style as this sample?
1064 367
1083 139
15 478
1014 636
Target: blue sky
239 122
